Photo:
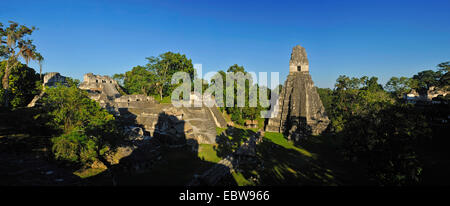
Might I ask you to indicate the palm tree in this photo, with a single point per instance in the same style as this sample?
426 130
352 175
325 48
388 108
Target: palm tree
40 60
15 40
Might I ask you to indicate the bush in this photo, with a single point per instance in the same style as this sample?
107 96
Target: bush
237 118
67 108
86 130
75 147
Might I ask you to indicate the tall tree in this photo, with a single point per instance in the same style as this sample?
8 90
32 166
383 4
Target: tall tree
3 47
444 69
40 60
15 46
23 82
164 66
155 77
136 81
400 85
427 79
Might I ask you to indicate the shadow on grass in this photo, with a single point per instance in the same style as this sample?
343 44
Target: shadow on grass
230 139
315 163
168 159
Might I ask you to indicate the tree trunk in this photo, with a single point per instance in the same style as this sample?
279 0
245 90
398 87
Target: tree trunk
5 83
160 93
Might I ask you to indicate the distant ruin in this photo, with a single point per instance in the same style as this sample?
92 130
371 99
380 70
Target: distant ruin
51 79
413 96
299 110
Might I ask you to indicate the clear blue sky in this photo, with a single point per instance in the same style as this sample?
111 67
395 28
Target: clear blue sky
355 38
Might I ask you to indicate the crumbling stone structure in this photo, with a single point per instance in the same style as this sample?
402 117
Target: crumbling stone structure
51 80
299 110
101 88
413 96
171 125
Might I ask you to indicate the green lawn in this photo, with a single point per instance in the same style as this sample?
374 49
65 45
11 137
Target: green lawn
220 130
207 152
279 139
241 180
164 100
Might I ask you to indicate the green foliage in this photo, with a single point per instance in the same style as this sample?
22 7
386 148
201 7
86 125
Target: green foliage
444 69
353 97
14 44
75 147
155 77
136 81
164 66
400 86
70 107
421 81
427 79
326 97
279 139
375 129
386 138
240 114
24 84
383 132
236 116
164 100
206 152
87 130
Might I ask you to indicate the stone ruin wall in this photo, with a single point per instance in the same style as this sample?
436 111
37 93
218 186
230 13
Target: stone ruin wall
52 78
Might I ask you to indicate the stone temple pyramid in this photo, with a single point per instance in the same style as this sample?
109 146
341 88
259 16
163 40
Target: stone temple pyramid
299 111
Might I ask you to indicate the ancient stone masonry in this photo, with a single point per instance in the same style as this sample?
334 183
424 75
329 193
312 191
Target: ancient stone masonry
51 80
413 96
172 125
101 88
299 110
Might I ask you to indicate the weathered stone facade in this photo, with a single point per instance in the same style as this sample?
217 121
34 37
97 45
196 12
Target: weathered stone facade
413 96
299 110
102 89
174 126
299 61
51 80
